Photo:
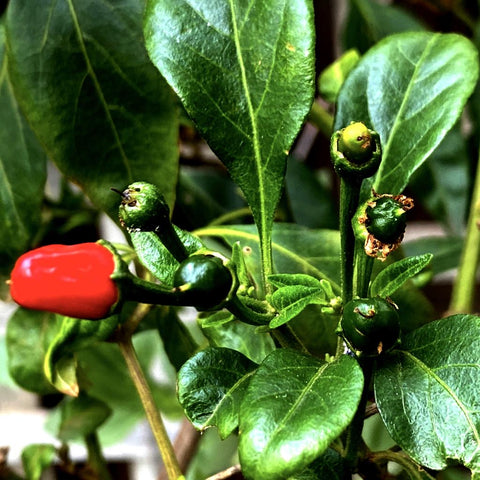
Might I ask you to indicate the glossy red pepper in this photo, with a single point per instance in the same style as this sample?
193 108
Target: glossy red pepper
72 280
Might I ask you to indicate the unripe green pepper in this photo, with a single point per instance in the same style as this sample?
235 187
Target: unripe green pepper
386 220
355 151
370 326
205 280
144 209
380 223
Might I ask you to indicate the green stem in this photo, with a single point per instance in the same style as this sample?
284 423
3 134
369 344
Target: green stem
462 300
96 460
172 242
401 459
321 119
363 270
234 215
354 432
287 338
153 415
349 195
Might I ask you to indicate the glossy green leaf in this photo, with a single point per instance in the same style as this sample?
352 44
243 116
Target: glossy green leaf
329 466
296 249
154 256
410 88
84 80
81 416
286 425
389 280
36 458
23 173
253 78
237 335
427 392
294 292
371 20
332 78
74 334
211 386
29 334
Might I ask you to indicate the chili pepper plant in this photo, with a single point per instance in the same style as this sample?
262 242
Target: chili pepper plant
317 352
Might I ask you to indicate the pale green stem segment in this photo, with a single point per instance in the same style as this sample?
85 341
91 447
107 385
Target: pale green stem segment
463 294
413 471
153 415
96 460
322 119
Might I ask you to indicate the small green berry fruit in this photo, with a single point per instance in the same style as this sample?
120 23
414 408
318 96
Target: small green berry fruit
386 220
205 280
356 143
143 208
370 326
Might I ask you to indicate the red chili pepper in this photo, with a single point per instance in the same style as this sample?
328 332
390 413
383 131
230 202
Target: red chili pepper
72 280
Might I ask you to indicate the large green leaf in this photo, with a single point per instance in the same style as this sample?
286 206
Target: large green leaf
411 88
285 425
427 392
227 332
245 74
29 334
296 249
84 80
22 173
81 416
73 335
211 386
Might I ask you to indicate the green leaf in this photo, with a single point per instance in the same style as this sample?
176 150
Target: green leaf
88 89
236 335
254 78
332 78
411 88
211 386
328 466
36 458
427 392
286 425
370 20
294 292
74 334
81 416
154 256
296 249
23 173
389 280
29 334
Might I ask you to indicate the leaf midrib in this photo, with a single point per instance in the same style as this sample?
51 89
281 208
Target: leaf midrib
98 89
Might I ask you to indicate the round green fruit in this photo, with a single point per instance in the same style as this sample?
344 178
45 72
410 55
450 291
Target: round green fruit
370 325
386 220
205 280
